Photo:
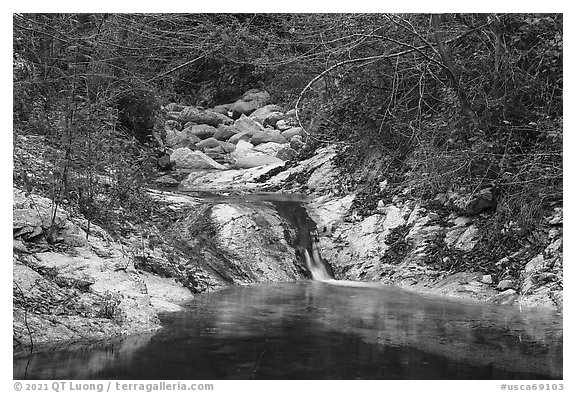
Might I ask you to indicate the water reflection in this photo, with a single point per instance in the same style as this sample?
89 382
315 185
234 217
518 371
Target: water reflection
315 330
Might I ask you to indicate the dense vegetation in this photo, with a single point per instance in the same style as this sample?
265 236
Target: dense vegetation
456 101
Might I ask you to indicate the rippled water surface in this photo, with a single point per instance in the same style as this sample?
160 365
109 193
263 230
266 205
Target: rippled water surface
322 330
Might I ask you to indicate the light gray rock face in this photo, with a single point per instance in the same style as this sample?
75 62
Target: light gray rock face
193 159
90 291
242 244
233 180
270 148
248 125
257 160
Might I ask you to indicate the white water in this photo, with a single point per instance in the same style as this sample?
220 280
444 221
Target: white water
316 266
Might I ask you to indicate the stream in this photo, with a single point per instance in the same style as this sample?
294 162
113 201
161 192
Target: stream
321 329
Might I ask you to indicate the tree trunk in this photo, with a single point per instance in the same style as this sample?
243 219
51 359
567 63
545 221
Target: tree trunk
451 71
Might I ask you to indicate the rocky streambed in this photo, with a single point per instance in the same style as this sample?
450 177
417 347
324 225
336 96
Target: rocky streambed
86 285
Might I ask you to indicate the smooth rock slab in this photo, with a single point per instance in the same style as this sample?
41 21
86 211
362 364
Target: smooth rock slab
189 159
257 160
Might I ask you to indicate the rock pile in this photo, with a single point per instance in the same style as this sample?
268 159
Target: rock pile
245 134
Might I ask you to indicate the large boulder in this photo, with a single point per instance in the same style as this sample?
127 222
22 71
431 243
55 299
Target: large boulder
282 125
270 148
202 131
252 100
261 114
225 132
193 159
243 149
201 116
208 143
246 124
289 133
222 109
241 136
181 139
256 160
268 135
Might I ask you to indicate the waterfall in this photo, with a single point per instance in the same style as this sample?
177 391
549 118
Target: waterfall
304 239
316 266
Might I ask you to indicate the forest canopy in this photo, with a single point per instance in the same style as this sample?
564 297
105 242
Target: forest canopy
458 100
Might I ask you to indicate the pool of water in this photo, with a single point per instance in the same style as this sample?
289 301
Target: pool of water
322 330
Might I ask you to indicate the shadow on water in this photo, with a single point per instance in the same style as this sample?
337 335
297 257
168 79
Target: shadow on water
317 330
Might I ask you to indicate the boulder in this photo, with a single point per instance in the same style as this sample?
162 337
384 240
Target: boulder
251 100
189 159
291 132
240 108
287 154
246 124
257 96
505 284
222 109
243 149
273 119
282 125
487 279
202 131
270 148
227 146
296 142
256 160
241 136
181 139
201 116
208 143
174 107
268 135
225 132
261 114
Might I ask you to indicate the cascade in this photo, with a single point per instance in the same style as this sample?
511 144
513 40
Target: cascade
316 266
305 241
